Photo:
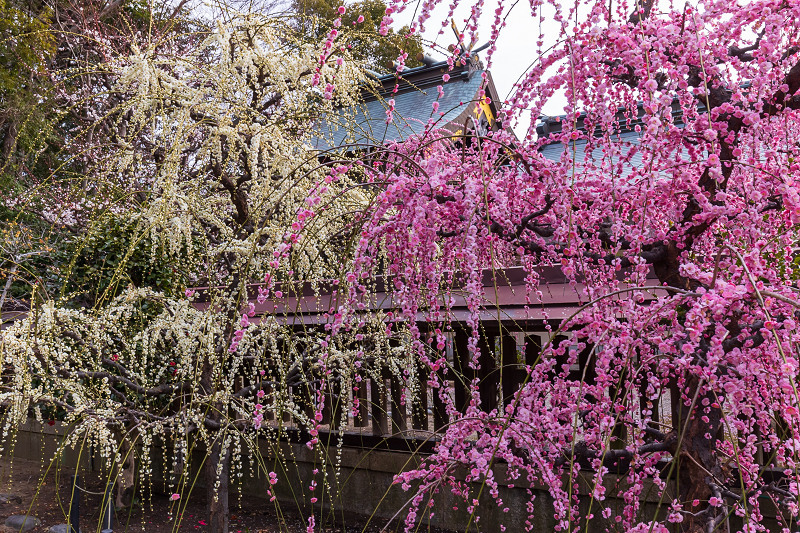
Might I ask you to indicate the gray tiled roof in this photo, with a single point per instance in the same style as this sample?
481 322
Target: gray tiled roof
629 139
627 136
631 149
366 122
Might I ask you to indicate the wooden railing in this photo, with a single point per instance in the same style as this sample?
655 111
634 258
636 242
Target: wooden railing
387 405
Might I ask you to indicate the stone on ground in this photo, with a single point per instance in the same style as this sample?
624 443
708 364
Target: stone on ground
10 498
21 522
60 528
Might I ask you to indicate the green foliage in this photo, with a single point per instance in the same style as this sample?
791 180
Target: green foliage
51 94
26 47
114 254
315 18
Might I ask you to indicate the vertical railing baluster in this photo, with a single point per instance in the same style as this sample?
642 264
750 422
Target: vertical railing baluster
444 377
269 414
362 419
533 349
399 423
419 411
462 372
488 373
439 407
286 417
380 424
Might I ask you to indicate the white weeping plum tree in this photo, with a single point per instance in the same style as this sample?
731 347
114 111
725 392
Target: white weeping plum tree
209 159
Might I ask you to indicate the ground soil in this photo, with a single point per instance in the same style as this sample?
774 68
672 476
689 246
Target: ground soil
45 495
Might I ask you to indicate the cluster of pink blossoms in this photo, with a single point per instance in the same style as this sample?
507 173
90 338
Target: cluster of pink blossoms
667 198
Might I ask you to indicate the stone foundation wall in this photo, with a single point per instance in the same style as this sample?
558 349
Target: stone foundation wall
362 484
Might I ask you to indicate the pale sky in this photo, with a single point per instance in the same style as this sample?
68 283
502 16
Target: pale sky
516 48
516 44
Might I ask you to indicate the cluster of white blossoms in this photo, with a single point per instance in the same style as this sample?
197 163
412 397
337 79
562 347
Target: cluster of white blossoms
214 165
146 366
226 136
217 152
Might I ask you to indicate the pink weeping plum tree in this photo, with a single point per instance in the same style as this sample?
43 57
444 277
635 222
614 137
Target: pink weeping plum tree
671 208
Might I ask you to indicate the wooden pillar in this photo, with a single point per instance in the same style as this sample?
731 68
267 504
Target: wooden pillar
334 404
533 349
558 369
510 365
586 365
622 396
439 408
489 377
462 373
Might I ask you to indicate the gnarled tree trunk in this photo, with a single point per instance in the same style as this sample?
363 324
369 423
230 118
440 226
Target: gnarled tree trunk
699 466
217 470
696 428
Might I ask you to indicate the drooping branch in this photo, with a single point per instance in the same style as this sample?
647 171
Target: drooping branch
159 390
585 454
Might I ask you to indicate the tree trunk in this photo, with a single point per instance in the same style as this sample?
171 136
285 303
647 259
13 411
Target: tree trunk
217 470
699 467
697 428
126 477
